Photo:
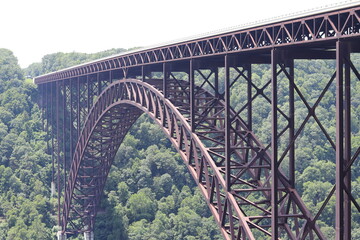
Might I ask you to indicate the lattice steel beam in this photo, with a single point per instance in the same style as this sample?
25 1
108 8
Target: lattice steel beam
322 28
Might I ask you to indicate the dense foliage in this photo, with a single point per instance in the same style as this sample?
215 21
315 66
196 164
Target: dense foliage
149 192
26 211
172 208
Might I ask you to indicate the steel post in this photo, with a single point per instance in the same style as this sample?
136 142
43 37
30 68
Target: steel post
57 113
192 95
343 143
42 104
71 120
88 91
46 116
291 123
64 116
249 96
274 147
98 79
78 110
52 119
339 217
49 122
143 73
165 77
347 145
215 70
227 125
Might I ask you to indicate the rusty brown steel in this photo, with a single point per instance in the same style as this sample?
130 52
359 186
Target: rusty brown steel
208 122
325 27
228 162
148 103
229 211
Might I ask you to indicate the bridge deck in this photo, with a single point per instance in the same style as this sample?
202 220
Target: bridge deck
311 29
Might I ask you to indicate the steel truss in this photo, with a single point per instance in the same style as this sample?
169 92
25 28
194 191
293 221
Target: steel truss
249 191
316 28
187 89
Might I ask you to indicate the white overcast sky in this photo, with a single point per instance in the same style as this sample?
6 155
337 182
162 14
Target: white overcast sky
33 28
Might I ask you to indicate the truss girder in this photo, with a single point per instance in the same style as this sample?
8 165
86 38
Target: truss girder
324 27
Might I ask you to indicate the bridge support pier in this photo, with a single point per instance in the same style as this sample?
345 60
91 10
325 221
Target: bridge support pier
89 235
61 236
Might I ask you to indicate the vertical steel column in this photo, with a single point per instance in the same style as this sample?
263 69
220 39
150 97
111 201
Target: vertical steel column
51 119
46 116
125 72
247 68
46 105
78 107
88 93
192 95
64 130
57 87
227 124
165 73
347 145
249 96
215 70
71 120
274 146
291 123
42 105
339 218
343 144
99 83
143 73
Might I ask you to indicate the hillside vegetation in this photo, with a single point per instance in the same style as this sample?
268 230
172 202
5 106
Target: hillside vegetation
149 193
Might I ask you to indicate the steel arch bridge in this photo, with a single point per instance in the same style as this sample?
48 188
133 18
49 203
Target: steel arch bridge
186 88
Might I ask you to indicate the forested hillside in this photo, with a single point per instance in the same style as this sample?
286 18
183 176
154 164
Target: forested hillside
149 187
25 169
149 193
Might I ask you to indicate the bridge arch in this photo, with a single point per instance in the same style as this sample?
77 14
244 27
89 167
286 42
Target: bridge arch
109 120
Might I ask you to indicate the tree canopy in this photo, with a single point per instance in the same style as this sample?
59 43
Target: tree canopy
149 193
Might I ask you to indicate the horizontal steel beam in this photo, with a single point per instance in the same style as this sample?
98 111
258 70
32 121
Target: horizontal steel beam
311 30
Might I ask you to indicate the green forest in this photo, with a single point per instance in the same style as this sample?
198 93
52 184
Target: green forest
149 194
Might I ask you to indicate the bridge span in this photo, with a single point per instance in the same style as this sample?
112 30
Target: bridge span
186 87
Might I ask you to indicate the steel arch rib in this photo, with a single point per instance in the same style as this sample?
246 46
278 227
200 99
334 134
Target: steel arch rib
133 94
114 112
